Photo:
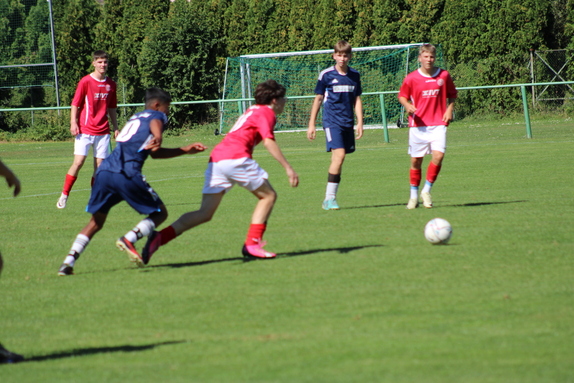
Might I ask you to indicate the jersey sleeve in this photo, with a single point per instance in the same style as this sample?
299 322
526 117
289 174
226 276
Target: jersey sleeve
266 124
80 95
405 89
451 91
320 87
113 96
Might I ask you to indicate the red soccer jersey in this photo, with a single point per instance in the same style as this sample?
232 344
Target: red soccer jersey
250 129
428 95
93 99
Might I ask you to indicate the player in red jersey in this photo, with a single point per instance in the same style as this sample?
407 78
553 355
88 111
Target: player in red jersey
231 163
94 100
427 95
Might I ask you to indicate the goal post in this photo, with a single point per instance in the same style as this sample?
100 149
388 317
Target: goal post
382 68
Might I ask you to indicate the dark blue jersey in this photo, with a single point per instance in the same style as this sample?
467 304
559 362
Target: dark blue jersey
339 92
129 155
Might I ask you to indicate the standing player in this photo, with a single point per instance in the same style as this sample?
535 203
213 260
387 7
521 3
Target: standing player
94 100
427 95
339 90
231 162
119 178
5 355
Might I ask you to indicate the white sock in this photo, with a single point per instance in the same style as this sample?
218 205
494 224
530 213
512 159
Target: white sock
332 188
142 229
427 187
78 247
414 192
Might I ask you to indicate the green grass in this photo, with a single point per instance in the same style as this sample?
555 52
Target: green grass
355 295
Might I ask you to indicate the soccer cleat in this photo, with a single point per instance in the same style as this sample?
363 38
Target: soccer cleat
153 243
427 200
330 204
256 252
125 245
413 203
9 356
62 201
65 269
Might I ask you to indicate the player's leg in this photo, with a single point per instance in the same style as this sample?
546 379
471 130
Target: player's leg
101 151
81 242
209 204
334 179
253 246
419 146
340 141
82 145
5 355
438 148
138 193
415 176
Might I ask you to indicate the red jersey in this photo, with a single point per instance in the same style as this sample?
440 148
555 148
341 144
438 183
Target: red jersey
250 129
93 99
428 94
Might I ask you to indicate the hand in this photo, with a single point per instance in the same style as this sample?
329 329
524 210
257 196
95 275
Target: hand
153 145
410 109
74 129
359 131
447 117
293 177
311 132
194 148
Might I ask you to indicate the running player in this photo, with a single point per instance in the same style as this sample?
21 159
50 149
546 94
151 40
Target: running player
339 90
119 178
94 100
428 96
231 163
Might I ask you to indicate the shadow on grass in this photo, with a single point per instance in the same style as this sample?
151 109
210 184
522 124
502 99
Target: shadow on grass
340 250
471 204
97 350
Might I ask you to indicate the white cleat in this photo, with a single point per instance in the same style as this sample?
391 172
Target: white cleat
413 203
427 200
62 201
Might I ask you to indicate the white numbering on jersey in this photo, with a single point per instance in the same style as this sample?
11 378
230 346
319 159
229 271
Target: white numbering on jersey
129 130
241 120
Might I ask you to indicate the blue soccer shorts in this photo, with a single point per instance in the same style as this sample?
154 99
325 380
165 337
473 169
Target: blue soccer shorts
340 138
112 188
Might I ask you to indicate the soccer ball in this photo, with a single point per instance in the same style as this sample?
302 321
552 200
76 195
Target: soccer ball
438 231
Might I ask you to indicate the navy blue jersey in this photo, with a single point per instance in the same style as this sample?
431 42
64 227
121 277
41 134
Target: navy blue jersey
129 155
340 92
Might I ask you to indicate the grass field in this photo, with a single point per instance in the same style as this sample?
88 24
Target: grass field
355 295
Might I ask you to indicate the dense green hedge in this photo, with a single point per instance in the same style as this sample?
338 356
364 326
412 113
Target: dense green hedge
182 45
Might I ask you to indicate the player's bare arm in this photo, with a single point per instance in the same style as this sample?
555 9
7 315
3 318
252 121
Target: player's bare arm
449 111
359 114
409 107
276 152
113 114
74 127
311 130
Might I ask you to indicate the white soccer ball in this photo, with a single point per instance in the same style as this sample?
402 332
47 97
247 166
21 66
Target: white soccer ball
438 231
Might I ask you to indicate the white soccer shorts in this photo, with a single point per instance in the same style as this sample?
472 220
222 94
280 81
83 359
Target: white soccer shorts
221 176
425 139
100 144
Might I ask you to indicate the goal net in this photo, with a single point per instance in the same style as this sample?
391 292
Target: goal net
382 68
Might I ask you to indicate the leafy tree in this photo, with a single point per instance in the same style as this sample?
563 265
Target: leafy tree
75 39
179 55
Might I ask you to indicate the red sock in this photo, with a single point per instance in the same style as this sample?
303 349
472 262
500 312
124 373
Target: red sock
255 233
416 175
167 235
68 183
432 172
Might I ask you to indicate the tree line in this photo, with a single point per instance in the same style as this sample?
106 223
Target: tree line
181 46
